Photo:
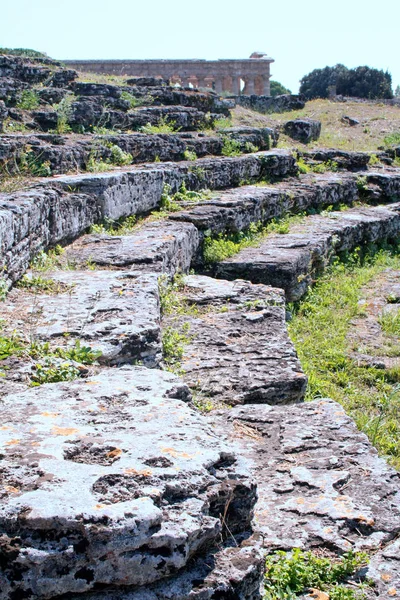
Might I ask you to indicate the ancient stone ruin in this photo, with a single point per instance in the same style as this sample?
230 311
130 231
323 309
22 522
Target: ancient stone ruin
223 75
116 484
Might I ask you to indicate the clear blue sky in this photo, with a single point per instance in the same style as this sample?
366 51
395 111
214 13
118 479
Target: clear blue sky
300 35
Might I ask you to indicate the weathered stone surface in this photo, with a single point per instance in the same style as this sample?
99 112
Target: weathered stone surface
147 81
292 261
369 343
3 114
70 153
271 104
303 130
235 209
263 137
57 211
320 482
349 161
139 189
120 484
229 574
349 121
116 313
35 219
384 571
160 247
238 350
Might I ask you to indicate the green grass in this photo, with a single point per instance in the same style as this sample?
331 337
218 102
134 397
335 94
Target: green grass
319 331
393 139
225 245
288 575
162 127
390 323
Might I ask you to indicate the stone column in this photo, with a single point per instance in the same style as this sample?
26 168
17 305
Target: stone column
218 85
184 82
201 82
235 85
266 88
249 88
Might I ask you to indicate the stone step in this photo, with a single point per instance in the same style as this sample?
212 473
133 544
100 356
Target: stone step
66 153
234 210
238 350
114 481
115 313
59 210
292 261
321 484
158 247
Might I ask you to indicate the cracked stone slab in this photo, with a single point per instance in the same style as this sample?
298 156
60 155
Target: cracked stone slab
115 313
320 482
238 348
111 481
160 247
292 261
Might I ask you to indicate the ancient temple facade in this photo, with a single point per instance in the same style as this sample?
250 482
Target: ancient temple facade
236 76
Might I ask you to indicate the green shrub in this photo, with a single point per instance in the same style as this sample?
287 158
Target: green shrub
230 147
23 52
29 100
189 155
64 112
291 574
162 127
393 139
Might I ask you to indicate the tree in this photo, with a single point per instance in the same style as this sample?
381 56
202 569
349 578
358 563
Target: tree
361 82
317 84
277 89
365 82
397 92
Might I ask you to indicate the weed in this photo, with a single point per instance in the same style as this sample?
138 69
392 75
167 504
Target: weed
121 226
390 323
373 160
189 155
249 147
46 261
303 167
362 184
291 574
162 127
173 344
38 283
12 126
392 139
30 163
29 100
3 289
52 370
171 202
223 123
230 147
119 157
64 112
329 165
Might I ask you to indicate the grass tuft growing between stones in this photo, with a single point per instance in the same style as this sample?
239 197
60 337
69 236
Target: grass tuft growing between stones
224 245
290 574
319 329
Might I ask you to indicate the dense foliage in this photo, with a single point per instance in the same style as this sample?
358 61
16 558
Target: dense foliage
23 52
361 82
277 89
